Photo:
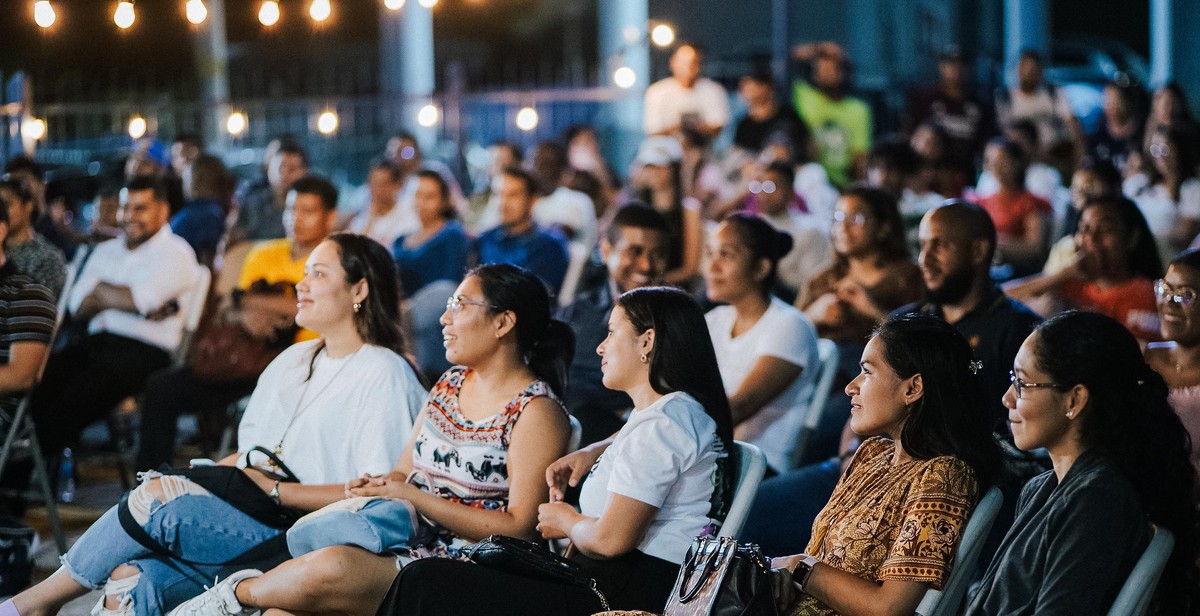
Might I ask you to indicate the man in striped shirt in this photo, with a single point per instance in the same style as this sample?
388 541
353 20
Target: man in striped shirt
26 324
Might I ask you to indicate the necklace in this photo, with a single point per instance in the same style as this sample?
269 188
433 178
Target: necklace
301 407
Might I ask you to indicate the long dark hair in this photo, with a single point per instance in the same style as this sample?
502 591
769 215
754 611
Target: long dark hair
547 345
674 216
1144 259
683 359
891 245
763 242
1129 419
951 418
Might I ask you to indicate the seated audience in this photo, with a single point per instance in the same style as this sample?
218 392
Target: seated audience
1081 390
28 313
260 207
1169 106
25 247
634 256
353 376
658 183
777 203
766 349
382 219
766 118
1120 133
892 166
1021 218
662 480
1041 179
1167 189
570 211
940 172
1093 179
263 305
1177 359
950 110
890 529
519 240
483 208
1116 263
1044 105
51 221
841 124
201 222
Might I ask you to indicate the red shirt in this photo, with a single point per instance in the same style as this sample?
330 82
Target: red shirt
1009 211
1130 303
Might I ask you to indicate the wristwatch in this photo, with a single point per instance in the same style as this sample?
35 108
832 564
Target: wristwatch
803 571
274 493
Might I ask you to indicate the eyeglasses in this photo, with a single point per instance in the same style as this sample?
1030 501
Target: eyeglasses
1160 150
1019 385
757 187
1183 296
454 304
857 220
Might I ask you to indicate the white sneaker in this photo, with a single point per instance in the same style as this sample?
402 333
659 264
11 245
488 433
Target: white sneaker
219 600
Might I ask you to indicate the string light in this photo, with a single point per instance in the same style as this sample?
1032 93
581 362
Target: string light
327 123
624 77
196 11
34 129
137 127
268 13
320 10
662 35
43 13
393 5
527 119
236 123
124 15
428 115
427 3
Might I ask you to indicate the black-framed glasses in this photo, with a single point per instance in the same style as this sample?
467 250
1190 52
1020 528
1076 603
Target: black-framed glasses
1181 295
454 303
1020 385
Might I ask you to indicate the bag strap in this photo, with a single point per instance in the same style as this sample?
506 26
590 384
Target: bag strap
288 475
135 531
710 552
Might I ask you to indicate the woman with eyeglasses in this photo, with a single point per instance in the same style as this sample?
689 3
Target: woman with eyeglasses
1178 359
1082 391
474 466
872 272
1167 189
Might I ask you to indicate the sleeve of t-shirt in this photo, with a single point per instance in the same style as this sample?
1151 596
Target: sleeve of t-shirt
31 316
390 398
935 515
716 109
653 457
789 338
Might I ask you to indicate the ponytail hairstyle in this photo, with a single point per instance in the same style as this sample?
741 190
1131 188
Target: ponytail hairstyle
546 344
764 242
951 418
1129 419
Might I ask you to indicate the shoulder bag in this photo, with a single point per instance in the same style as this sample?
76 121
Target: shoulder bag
530 560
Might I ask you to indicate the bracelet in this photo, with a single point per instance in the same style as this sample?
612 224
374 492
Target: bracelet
274 493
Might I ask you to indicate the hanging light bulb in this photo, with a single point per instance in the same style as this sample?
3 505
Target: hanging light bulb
428 115
124 15
137 127
527 119
327 123
196 11
427 3
34 129
662 35
268 13
320 10
393 5
43 13
236 123
624 77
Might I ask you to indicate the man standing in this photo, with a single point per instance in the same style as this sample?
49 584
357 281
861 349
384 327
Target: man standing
685 99
518 240
634 252
840 124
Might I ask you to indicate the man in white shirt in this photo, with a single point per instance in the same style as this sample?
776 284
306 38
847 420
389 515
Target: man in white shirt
685 99
558 206
129 295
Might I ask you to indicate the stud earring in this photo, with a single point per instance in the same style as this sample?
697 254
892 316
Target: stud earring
357 306
1071 415
644 358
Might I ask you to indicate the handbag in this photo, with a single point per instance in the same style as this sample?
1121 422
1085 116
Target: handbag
224 352
721 578
232 485
531 560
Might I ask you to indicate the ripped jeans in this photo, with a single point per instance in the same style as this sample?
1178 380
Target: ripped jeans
192 523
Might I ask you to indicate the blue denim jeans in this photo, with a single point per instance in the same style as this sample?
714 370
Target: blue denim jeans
201 528
378 526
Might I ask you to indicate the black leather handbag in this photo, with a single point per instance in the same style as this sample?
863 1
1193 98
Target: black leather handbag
721 578
530 560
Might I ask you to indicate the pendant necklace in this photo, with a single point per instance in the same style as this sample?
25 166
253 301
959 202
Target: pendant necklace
301 407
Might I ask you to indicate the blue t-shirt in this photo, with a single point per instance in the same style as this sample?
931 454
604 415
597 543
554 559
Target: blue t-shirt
441 257
201 223
542 252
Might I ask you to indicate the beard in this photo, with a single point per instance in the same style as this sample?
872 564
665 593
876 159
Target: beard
954 288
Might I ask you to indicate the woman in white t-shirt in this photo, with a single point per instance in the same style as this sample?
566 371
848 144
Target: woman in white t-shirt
1167 190
331 409
660 482
764 346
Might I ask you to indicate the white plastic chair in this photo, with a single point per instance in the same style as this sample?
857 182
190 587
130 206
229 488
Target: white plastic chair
827 352
1138 589
578 259
192 306
752 463
576 434
948 600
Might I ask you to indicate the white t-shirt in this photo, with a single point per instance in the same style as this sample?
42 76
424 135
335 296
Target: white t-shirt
352 417
1161 211
782 332
668 102
664 456
383 229
568 208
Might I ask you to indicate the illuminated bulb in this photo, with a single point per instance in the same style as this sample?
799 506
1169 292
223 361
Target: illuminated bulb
427 3
393 5
327 123
236 124
43 13
124 15
34 129
268 13
320 10
196 11
624 77
527 119
137 127
428 115
662 35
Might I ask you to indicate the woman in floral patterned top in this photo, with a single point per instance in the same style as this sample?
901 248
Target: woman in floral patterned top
890 529
475 465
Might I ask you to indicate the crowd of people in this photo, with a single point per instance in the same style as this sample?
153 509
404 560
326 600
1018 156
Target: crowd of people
558 355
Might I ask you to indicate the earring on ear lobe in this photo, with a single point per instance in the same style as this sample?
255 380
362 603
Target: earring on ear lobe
644 358
1070 414
357 306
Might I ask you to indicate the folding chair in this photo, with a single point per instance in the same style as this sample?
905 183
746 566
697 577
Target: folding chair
827 352
752 464
1138 589
948 600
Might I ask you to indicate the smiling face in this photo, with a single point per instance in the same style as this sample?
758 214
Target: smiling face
878 403
731 273
621 353
1039 417
1179 322
469 330
637 259
142 215
324 300
1103 240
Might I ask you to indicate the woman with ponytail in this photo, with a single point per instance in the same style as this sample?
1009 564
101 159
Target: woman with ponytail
766 349
1081 390
475 465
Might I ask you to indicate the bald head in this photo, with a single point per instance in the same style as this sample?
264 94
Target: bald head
958 240
965 222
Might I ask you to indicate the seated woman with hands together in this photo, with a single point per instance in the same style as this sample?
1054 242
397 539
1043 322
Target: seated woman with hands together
890 529
661 480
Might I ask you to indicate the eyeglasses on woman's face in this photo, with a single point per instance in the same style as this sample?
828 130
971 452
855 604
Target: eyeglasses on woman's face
454 304
857 220
1181 295
1019 385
